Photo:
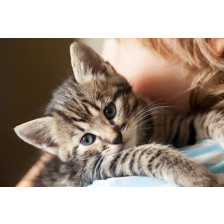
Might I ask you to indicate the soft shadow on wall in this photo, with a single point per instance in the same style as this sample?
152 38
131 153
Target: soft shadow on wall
30 70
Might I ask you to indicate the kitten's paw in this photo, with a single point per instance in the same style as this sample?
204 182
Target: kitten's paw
208 180
201 177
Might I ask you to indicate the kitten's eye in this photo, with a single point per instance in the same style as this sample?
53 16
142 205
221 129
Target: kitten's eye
88 139
110 111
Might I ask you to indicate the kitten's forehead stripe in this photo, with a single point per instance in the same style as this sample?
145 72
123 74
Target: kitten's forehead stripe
120 92
91 104
76 88
63 115
81 129
79 120
71 98
70 108
67 118
87 110
74 100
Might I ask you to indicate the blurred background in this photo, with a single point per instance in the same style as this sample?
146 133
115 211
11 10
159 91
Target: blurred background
30 70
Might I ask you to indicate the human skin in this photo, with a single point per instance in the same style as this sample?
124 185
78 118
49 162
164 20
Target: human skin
150 75
162 80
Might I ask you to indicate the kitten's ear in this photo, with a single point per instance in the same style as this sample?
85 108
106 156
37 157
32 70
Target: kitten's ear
38 133
86 62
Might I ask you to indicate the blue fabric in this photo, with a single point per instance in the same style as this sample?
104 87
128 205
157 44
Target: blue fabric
207 152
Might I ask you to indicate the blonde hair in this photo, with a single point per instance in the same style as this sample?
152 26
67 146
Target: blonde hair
207 88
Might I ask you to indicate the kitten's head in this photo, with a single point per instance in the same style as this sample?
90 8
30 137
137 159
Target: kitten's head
93 111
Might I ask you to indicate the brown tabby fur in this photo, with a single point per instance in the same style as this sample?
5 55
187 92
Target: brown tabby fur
134 142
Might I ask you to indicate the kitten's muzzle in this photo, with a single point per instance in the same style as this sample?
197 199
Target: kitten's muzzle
111 136
118 139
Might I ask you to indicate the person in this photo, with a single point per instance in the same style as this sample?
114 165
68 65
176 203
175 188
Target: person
185 73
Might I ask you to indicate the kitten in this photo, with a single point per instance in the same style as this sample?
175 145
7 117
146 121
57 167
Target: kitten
97 128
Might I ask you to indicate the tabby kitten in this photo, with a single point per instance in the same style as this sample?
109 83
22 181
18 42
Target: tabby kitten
97 128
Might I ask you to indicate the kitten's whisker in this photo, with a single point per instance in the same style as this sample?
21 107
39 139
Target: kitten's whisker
139 113
141 124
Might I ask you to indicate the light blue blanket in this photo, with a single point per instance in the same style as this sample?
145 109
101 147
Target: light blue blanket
208 153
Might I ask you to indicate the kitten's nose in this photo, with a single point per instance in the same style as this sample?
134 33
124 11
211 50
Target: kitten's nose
118 139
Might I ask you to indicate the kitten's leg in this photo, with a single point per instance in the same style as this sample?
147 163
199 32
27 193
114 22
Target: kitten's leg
176 129
158 161
180 130
210 125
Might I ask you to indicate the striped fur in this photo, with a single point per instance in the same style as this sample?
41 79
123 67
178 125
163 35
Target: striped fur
145 129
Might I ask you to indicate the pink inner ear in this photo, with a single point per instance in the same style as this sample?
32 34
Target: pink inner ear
39 137
83 55
90 59
37 132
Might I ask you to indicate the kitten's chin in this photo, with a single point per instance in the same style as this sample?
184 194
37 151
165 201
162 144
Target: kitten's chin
128 142
112 149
